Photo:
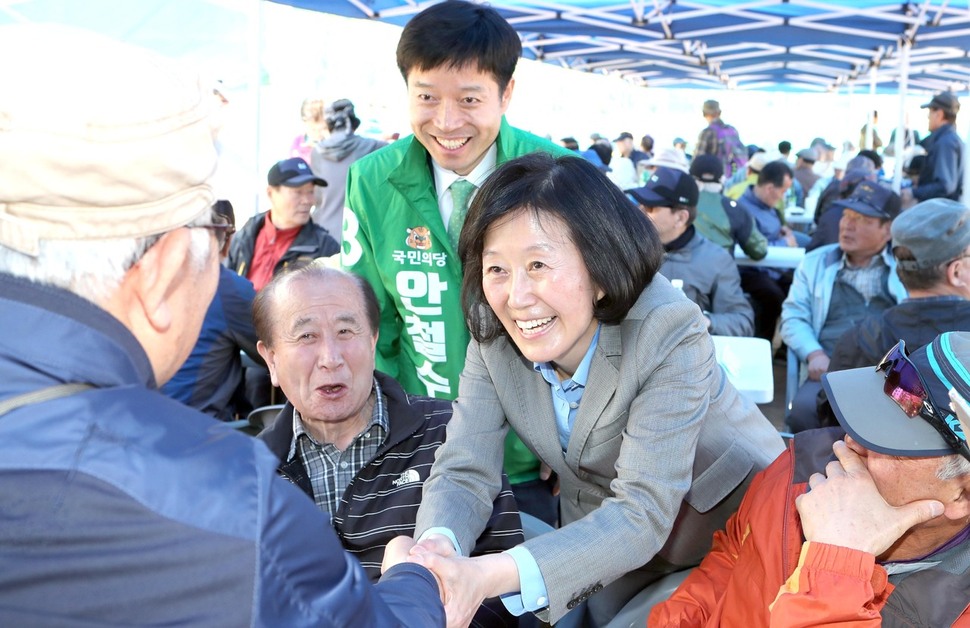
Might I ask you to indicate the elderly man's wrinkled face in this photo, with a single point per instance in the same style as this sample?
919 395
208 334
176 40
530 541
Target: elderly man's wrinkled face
904 480
291 206
322 353
862 236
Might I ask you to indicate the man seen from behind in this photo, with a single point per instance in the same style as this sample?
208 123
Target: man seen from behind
121 506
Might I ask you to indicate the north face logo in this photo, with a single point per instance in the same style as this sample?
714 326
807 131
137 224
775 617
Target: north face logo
408 477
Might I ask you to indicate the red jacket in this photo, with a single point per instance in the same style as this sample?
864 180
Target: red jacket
761 571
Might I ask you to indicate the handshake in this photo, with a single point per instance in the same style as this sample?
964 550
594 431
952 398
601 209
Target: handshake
463 583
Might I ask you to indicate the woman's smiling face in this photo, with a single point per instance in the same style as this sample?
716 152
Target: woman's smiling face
536 282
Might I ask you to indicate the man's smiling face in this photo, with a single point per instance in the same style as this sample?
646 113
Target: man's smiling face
456 113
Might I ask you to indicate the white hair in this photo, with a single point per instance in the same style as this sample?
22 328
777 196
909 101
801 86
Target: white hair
953 467
94 269
709 186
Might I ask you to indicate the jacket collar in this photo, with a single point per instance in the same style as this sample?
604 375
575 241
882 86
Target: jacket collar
81 342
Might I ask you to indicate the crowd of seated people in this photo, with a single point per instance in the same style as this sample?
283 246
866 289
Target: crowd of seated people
501 402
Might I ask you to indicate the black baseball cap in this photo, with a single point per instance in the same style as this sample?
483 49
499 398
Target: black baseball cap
293 173
707 167
946 101
871 199
667 187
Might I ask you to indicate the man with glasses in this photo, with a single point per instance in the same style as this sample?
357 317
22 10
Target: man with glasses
876 534
121 506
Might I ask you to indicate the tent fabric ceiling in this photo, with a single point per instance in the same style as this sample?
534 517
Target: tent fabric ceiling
803 45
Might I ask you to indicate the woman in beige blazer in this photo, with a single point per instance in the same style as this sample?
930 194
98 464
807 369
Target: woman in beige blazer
652 445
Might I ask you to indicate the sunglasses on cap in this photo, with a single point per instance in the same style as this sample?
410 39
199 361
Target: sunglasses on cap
905 386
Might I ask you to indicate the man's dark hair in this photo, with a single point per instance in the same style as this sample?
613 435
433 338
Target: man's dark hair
224 208
774 173
784 147
456 34
263 317
619 245
605 153
921 278
872 156
646 143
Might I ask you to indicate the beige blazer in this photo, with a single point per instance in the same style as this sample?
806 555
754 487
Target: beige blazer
660 435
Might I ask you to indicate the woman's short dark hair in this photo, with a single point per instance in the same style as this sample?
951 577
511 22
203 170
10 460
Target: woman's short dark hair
619 245
458 34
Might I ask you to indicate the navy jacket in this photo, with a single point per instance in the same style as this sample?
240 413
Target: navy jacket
942 173
121 506
213 371
917 321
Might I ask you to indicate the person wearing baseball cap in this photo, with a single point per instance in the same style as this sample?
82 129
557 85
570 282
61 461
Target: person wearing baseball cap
720 219
704 271
624 144
804 164
121 506
931 245
878 531
273 239
836 286
942 172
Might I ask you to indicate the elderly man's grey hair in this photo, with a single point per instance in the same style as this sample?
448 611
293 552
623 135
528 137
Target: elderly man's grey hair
953 467
94 269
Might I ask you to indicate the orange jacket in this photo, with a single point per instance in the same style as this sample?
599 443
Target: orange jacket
761 572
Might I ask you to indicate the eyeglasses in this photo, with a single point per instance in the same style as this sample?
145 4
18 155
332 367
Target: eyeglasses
905 386
220 227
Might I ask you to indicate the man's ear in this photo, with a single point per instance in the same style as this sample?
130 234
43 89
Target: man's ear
269 357
158 274
506 96
854 445
957 276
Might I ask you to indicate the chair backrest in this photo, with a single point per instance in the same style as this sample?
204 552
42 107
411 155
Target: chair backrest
794 376
262 416
634 614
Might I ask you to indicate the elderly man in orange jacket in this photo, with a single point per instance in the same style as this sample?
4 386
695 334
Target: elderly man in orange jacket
876 535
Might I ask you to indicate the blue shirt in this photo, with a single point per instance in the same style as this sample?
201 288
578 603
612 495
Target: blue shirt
566 397
567 394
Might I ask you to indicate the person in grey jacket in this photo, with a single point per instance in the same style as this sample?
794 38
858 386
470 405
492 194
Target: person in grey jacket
331 159
704 271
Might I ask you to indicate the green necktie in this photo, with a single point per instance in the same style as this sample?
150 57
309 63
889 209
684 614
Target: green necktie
461 191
